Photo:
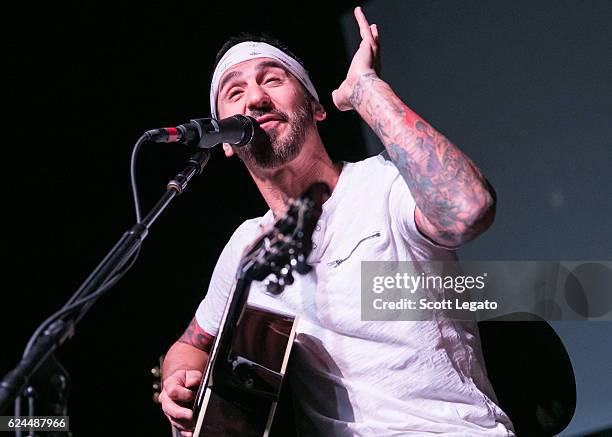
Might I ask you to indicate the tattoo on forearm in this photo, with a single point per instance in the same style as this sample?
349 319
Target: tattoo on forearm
197 337
357 94
447 187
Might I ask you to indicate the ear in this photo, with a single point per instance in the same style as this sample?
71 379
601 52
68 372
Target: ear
319 111
227 149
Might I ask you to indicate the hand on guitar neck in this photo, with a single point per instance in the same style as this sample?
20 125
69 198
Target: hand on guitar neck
180 389
181 374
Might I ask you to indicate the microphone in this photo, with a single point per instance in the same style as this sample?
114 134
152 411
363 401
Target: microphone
238 130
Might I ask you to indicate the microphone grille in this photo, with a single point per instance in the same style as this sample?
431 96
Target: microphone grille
248 125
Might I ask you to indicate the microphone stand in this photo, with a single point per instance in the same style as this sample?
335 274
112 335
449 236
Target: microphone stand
42 345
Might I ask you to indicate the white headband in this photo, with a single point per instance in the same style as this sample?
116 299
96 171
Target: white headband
251 50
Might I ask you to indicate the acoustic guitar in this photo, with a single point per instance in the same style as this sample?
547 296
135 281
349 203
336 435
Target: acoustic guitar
243 378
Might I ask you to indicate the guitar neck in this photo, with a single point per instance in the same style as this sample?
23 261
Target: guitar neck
221 346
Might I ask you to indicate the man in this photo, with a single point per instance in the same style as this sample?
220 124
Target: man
351 378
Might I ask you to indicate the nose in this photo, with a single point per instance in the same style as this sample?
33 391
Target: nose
257 98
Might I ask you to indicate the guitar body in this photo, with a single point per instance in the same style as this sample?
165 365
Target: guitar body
242 394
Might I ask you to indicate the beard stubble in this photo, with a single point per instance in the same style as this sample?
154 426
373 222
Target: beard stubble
270 149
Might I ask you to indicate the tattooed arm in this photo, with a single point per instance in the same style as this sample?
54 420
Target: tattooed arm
182 373
455 203
197 337
190 351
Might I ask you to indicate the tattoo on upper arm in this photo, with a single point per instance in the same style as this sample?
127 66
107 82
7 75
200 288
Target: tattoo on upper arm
447 187
197 337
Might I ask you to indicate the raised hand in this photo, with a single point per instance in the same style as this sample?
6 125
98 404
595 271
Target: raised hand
364 63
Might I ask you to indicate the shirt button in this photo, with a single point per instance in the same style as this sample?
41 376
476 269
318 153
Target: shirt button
317 227
314 245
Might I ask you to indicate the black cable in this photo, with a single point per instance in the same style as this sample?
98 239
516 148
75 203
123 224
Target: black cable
135 150
83 304
75 302
67 309
118 276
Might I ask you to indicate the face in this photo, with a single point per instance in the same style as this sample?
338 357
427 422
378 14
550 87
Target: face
264 90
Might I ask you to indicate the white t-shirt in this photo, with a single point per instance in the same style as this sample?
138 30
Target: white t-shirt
358 378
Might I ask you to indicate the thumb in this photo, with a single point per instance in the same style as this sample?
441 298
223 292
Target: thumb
339 101
336 99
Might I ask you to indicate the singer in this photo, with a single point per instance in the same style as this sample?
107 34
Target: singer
421 202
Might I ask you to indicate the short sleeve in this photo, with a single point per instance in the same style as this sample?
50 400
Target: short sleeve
209 312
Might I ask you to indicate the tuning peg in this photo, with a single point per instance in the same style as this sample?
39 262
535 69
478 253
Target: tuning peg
286 278
156 372
272 286
300 265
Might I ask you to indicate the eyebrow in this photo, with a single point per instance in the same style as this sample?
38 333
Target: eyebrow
261 66
269 64
231 75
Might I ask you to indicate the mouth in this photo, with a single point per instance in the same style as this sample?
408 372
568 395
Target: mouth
268 120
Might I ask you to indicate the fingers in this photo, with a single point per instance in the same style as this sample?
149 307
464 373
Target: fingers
182 425
175 393
175 387
174 410
180 394
193 378
376 45
376 48
374 30
180 418
364 26
368 32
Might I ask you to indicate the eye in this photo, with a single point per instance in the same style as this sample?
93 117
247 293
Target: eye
272 79
233 93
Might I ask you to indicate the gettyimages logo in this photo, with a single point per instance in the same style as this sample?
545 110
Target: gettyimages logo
412 283
484 290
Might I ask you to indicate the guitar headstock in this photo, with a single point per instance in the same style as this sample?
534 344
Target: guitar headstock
285 245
